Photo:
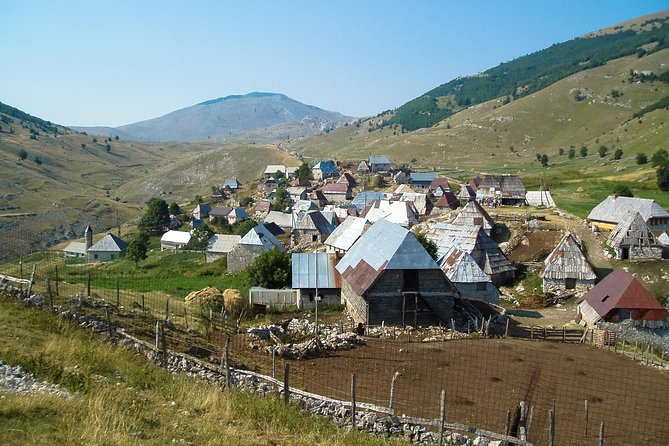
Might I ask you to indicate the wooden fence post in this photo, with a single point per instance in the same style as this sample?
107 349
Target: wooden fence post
601 434
118 292
564 334
143 308
442 416
551 427
286 390
109 324
157 335
88 286
226 359
167 309
32 280
163 339
353 401
508 425
586 418
57 292
506 329
48 291
393 383
522 424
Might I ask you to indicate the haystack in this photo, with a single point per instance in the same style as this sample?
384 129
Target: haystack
208 298
233 301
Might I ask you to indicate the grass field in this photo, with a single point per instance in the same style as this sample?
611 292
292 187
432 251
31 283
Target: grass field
119 398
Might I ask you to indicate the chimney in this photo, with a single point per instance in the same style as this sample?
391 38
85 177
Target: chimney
88 235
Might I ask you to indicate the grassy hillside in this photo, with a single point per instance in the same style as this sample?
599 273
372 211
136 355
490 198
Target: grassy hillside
122 399
533 72
53 181
592 108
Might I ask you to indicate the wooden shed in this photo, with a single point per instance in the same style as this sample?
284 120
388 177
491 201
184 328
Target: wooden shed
633 239
567 268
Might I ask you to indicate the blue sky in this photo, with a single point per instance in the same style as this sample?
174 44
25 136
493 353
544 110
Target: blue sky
118 62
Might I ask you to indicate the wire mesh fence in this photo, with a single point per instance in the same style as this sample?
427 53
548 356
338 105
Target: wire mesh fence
573 390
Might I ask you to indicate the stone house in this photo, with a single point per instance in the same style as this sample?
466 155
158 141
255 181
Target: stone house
378 163
388 277
633 239
310 227
106 249
567 268
337 192
255 242
470 280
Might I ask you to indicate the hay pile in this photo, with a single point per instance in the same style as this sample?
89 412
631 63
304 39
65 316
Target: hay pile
211 298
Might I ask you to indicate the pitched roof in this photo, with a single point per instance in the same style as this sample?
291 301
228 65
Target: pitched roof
447 200
232 183
347 233
567 261
271 169
273 228
473 240
400 212
443 182
466 192
222 242
314 270
76 248
422 177
220 211
379 159
109 243
385 246
363 167
327 167
505 186
622 290
238 213
177 237
304 205
282 219
202 208
663 239
348 179
362 199
539 198
296 190
263 206
260 236
403 189
336 188
614 208
474 214
313 221
632 230
460 267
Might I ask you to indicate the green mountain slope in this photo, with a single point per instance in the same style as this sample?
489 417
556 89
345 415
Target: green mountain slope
531 73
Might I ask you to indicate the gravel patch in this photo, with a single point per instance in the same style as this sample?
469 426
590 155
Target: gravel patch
13 379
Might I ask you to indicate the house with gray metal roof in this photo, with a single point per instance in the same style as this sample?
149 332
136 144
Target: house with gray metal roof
470 280
633 239
220 245
106 249
281 219
362 199
473 214
422 179
388 277
232 183
607 214
314 276
251 245
402 213
466 194
378 163
337 192
346 234
474 240
174 240
567 268
310 227
75 249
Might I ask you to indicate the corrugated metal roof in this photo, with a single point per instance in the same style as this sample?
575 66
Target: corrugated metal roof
540 198
282 219
109 243
178 237
347 233
379 159
327 167
622 290
474 214
613 209
663 239
400 212
313 220
304 205
364 198
460 267
567 261
422 177
314 270
232 183
223 242
271 169
76 248
220 211
632 230
261 236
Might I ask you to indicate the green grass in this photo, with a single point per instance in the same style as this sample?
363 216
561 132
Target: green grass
122 399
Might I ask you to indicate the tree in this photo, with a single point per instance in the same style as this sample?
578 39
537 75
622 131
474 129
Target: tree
584 151
641 158
544 160
244 226
156 218
138 247
281 199
659 158
23 154
603 150
538 155
561 151
200 238
173 208
304 172
429 245
618 154
663 177
572 153
271 269
622 190
38 160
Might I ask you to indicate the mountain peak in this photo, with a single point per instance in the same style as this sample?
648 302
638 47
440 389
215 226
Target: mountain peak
254 94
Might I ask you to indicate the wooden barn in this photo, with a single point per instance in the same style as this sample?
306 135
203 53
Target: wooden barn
633 239
473 214
496 190
618 297
387 276
607 214
567 268
469 279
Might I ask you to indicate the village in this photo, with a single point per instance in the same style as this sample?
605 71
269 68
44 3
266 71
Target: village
352 232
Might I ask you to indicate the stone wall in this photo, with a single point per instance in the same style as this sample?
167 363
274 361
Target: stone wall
242 256
471 291
558 285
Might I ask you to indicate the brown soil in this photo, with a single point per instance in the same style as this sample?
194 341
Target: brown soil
485 378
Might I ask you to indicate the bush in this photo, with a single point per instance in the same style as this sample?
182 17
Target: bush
618 154
622 190
641 158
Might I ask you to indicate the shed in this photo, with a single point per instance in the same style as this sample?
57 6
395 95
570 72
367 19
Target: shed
607 214
540 198
363 168
470 280
107 248
632 239
75 249
314 274
387 276
174 240
500 189
378 163
620 296
220 245
567 268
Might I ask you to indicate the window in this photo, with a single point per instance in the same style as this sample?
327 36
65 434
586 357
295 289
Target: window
570 283
410 280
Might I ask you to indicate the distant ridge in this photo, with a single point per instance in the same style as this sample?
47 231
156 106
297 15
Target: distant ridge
227 117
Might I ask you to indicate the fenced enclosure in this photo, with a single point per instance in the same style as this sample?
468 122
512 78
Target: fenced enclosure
575 387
